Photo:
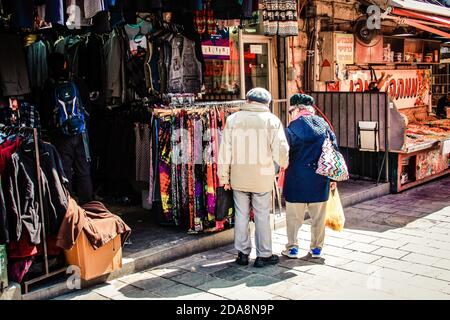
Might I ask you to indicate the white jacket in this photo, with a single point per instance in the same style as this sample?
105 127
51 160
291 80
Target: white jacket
253 139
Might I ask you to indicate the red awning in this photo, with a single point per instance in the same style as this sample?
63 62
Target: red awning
421 21
412 14
421 6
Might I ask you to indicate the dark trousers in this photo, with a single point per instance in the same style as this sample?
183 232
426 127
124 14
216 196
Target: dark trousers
76 167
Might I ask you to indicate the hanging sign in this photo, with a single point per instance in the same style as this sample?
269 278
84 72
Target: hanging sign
256 49
344 48
217 46
407 88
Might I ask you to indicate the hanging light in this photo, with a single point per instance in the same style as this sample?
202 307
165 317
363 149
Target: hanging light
403 32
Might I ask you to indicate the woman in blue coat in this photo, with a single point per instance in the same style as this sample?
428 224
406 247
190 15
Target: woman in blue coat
304 189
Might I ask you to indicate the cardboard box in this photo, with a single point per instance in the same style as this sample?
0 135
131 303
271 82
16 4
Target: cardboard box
94 263
3 268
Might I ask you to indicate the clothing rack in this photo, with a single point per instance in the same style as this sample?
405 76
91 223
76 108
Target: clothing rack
35 134
198 107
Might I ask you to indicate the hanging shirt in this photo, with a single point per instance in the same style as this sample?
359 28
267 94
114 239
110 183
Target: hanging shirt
137 35
75 11
54 11
37 64
92 7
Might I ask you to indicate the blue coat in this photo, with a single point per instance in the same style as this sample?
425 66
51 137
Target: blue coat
302 184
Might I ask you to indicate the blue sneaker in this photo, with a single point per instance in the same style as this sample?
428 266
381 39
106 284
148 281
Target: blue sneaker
316 253
291 253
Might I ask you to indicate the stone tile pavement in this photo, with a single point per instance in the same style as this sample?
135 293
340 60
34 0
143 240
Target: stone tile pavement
393 247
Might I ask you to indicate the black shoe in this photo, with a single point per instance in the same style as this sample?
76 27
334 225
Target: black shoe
261 262
242 259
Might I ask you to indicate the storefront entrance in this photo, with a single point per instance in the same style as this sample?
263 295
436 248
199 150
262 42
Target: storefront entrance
255 63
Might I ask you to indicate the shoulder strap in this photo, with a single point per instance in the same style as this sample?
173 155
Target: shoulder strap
324 117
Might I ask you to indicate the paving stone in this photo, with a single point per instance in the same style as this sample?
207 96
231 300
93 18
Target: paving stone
208 296
391 219
439 230
360 267
423 270
193 279
421 259
278 298
327 271
392 274
299 264
335 251
136 294
392 263
337 242
221 287
362 238
256 281
361 257
446 290
444 275
167 272
335 261
439 253
443 263
154 283
427 283
388 235
394 244
83 295
179 292
412 239
406 291
390 253
363 247
287 290
353 292
111 288
249 294
293 275
231 274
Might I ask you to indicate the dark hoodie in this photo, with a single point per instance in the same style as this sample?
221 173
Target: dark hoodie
302 184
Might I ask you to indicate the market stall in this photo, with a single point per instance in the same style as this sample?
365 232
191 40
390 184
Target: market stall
144 71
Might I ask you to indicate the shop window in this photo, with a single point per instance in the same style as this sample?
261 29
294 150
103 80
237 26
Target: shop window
222 76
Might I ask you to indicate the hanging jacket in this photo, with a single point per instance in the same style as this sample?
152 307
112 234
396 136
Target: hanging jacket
4 234
115 51
302 184
22 197
14 80
185 72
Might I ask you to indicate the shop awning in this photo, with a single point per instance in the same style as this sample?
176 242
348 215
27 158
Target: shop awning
430 7
421 14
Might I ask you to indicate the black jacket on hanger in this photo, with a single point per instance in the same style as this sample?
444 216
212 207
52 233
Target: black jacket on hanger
22 197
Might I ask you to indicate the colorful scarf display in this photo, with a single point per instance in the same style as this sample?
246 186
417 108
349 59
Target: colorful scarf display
188 146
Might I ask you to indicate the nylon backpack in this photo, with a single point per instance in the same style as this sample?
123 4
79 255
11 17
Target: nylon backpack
69 111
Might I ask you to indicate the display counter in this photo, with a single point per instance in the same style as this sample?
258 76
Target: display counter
425 154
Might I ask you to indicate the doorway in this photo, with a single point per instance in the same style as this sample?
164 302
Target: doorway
255 63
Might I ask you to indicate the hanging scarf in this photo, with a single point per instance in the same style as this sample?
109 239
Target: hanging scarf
165 169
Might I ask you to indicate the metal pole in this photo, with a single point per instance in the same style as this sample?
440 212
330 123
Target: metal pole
41 204
388 135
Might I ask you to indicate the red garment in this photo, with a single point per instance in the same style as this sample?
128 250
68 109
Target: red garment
24 248
7 149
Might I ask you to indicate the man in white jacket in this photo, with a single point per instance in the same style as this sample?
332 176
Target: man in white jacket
252 141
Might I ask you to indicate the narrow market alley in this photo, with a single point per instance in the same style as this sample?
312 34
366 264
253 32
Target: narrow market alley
393 247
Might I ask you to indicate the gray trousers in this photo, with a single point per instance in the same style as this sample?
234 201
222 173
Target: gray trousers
260 202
